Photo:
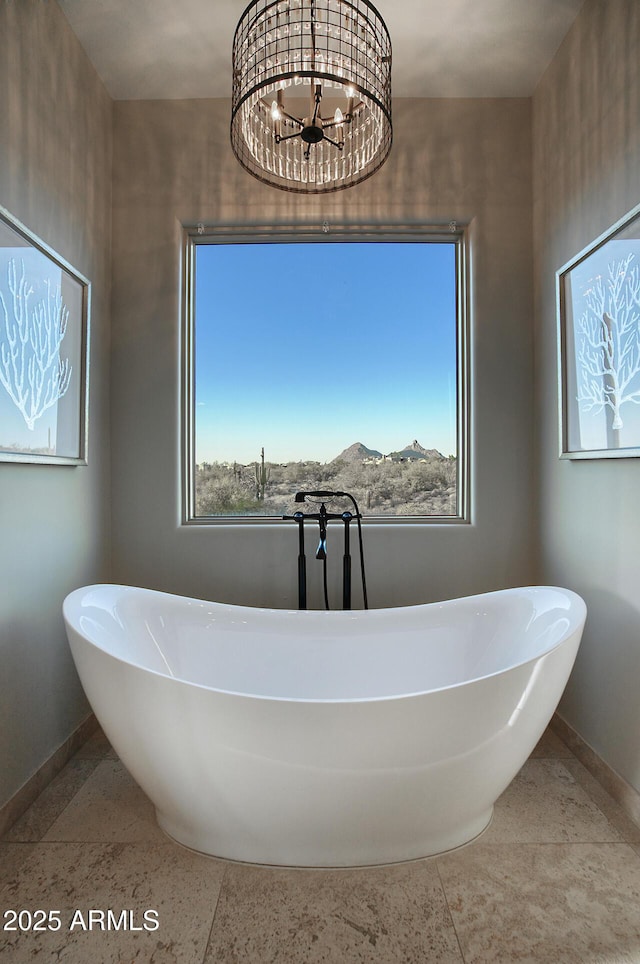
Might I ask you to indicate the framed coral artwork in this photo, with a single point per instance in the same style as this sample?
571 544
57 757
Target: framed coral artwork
598 297
44 344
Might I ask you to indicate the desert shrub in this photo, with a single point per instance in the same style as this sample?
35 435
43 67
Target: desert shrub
392 488
221 494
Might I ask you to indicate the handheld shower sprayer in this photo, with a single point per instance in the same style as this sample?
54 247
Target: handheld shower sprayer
301 496
321 551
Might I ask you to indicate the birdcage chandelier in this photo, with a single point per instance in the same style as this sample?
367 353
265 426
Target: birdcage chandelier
311 108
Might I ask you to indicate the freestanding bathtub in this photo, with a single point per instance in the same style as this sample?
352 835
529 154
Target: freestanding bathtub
323 738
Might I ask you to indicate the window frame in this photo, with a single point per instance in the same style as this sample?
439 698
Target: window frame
325 232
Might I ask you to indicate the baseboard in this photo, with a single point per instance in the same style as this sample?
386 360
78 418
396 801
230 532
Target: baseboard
615 785
25 796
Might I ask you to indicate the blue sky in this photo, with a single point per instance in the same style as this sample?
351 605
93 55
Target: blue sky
305 348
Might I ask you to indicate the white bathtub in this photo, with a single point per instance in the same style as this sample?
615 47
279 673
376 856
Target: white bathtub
323 738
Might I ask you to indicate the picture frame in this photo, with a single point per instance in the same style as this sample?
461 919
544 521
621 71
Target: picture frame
598 305
44 351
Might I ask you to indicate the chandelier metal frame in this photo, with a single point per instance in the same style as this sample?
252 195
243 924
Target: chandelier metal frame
311 105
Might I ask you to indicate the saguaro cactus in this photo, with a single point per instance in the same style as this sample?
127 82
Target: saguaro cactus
263 474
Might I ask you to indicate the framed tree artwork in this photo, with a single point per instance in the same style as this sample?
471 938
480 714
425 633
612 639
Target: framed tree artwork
44 343
598 297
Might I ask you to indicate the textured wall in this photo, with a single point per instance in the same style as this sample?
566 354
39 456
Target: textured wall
468 160
586 135
55 177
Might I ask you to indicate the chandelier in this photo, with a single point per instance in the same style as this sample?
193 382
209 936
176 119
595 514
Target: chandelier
311 107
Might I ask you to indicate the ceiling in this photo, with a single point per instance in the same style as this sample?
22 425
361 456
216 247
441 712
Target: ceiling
160 49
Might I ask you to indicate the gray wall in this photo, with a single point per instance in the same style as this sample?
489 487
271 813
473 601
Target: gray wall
468 160
55 177
586 136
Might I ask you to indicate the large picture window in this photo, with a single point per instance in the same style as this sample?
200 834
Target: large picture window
329 362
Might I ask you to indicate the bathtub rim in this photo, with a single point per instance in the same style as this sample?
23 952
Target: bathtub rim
576 625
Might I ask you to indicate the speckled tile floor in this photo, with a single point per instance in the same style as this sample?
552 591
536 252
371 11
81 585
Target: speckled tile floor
555 879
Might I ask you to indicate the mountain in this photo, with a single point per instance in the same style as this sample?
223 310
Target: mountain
413 450
357 452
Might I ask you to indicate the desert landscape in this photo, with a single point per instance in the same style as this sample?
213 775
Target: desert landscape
412 481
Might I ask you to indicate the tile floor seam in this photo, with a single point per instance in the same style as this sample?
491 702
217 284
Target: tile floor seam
509 844
449 911
207 943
